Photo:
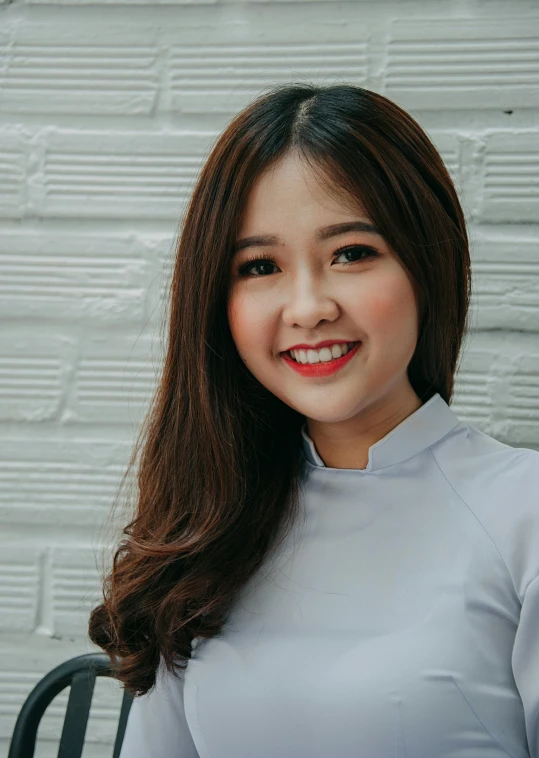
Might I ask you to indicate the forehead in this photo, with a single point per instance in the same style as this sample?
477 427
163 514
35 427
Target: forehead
290 187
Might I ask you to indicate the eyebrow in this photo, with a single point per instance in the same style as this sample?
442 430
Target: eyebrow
323 233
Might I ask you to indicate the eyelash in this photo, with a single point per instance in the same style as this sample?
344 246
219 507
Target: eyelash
244 267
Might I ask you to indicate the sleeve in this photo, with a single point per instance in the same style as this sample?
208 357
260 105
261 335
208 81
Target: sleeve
525 662
156 725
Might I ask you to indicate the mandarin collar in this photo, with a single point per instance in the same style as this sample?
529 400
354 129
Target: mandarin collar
425 426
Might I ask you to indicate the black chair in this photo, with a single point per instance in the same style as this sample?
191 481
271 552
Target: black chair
80 673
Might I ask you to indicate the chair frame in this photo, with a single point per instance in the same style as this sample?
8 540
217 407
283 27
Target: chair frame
80 673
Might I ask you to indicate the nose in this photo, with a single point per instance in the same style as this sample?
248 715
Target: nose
307 303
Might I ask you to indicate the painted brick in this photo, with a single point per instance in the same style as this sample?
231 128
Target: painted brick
50 69
473 393
510 177
115 377
226 76
521 399
75 589
19 588
506 280
78 276
13 170
32 380
463 63
59 482
90 174
496 386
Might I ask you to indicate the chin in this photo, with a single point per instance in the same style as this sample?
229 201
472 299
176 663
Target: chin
328 412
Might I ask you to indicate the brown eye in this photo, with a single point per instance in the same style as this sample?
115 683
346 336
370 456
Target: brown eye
256 262
357 252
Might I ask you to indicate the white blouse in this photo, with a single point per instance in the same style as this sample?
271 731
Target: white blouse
400 618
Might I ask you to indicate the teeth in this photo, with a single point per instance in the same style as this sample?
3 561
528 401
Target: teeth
321 356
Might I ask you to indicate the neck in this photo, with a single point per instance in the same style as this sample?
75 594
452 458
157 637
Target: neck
345 444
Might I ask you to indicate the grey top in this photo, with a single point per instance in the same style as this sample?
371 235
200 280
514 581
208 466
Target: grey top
400 619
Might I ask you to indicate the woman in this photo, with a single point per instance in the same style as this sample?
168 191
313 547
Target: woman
348 569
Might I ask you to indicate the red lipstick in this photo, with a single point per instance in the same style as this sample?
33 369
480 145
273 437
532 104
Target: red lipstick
321 369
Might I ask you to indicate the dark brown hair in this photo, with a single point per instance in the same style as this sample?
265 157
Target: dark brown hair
220 457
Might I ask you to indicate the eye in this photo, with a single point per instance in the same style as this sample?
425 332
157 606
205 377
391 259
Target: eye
358 252
257 261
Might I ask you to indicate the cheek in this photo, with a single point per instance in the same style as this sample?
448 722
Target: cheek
391 309
248 322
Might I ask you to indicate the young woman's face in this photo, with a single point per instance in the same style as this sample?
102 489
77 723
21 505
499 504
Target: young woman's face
303 292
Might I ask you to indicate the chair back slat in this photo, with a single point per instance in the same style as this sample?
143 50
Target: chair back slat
79 672
77 713
127 701
25 732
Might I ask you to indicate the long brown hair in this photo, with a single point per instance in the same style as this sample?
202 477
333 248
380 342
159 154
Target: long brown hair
220 457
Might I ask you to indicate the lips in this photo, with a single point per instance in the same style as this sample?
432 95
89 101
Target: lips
343 349
321 369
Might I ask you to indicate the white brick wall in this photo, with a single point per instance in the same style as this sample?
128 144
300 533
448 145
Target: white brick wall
107 110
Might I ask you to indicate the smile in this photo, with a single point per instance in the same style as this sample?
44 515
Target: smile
322 368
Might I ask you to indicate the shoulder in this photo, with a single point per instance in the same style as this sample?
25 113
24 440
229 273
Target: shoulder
475 458
481 463
500 485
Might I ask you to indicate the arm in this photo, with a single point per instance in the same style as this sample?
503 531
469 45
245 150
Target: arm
156 725
525 660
